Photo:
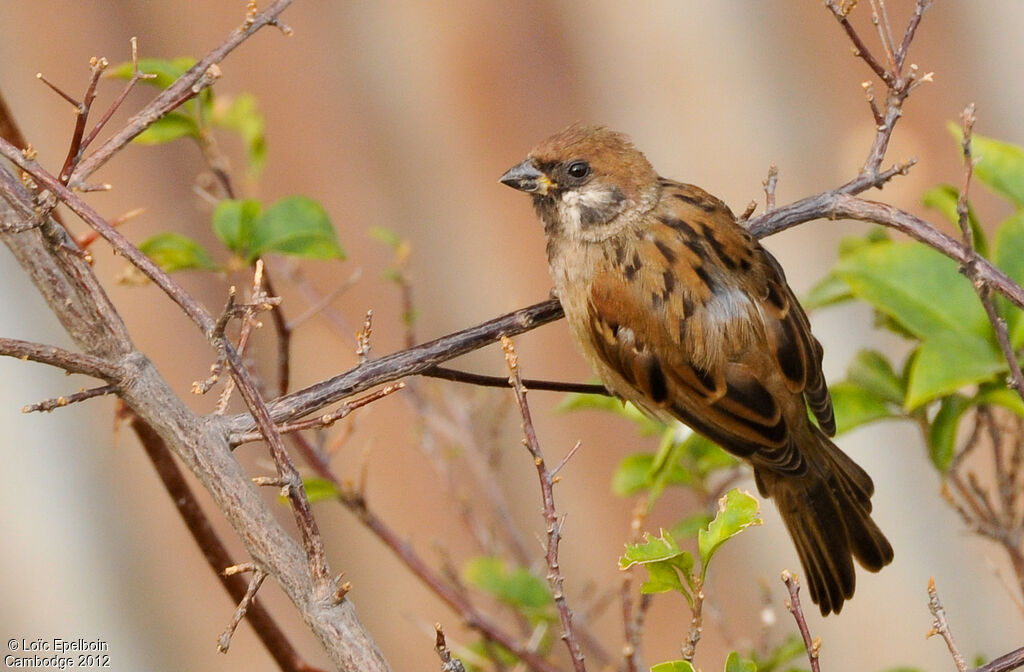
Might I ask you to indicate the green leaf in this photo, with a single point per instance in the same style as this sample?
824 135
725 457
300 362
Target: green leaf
517 587
942 434
690 526
1009 257
166 70
242 115
872 371
944 198
673 666
175 252
296 226
999 165
850 244
319 489
651 549
600 402
171 127
233 222
790 648
382 234
998 394
668 566
946 362
733 663
831 290
737 511
916 286
633 475
855 406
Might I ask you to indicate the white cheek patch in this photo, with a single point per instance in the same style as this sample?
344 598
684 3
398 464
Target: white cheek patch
588 208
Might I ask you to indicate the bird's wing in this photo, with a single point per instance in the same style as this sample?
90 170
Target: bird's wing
659 327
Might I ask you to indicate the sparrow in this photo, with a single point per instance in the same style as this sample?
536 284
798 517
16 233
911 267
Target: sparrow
681 311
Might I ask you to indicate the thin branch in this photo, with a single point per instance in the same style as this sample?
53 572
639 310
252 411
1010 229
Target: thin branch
839 205
224 641
137 76
554 525
812 646
182 89
210 544
859 48
72 362
445 373
997 322
121 245
97 66
770 183
309 531
408 362
325 420
59 402
940 626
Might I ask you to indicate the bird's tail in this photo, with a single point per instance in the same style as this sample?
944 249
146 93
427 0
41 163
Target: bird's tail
828 514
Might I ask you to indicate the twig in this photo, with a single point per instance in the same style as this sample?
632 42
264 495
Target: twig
224 641
325 420
309 531
408 362
445 373
812 646
769 187
454 598
997 322
363 338
448 663
213 549
59 402
941 627
117 240
72 362
859 48
97 66
137 76
696 629
171 97
554 525
632 623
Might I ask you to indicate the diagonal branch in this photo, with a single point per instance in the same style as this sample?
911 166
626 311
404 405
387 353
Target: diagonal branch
176 93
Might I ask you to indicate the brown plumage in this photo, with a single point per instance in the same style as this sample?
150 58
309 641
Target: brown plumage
681 311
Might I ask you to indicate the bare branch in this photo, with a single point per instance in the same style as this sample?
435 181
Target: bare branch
213 549
812 646
554 525
224 641
171 97
941 627
72 362
59 402
498 381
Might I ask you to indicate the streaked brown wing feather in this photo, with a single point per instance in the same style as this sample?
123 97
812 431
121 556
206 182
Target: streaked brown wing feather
653 327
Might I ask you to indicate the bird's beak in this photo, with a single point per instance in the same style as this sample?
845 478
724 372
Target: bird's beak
526 177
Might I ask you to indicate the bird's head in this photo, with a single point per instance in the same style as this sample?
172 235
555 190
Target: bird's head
587 182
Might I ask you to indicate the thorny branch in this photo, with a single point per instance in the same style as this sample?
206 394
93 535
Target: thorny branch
554 525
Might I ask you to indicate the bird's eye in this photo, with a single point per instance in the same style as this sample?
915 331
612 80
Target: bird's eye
578 169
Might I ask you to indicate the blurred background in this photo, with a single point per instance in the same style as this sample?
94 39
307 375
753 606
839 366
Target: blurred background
403 115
